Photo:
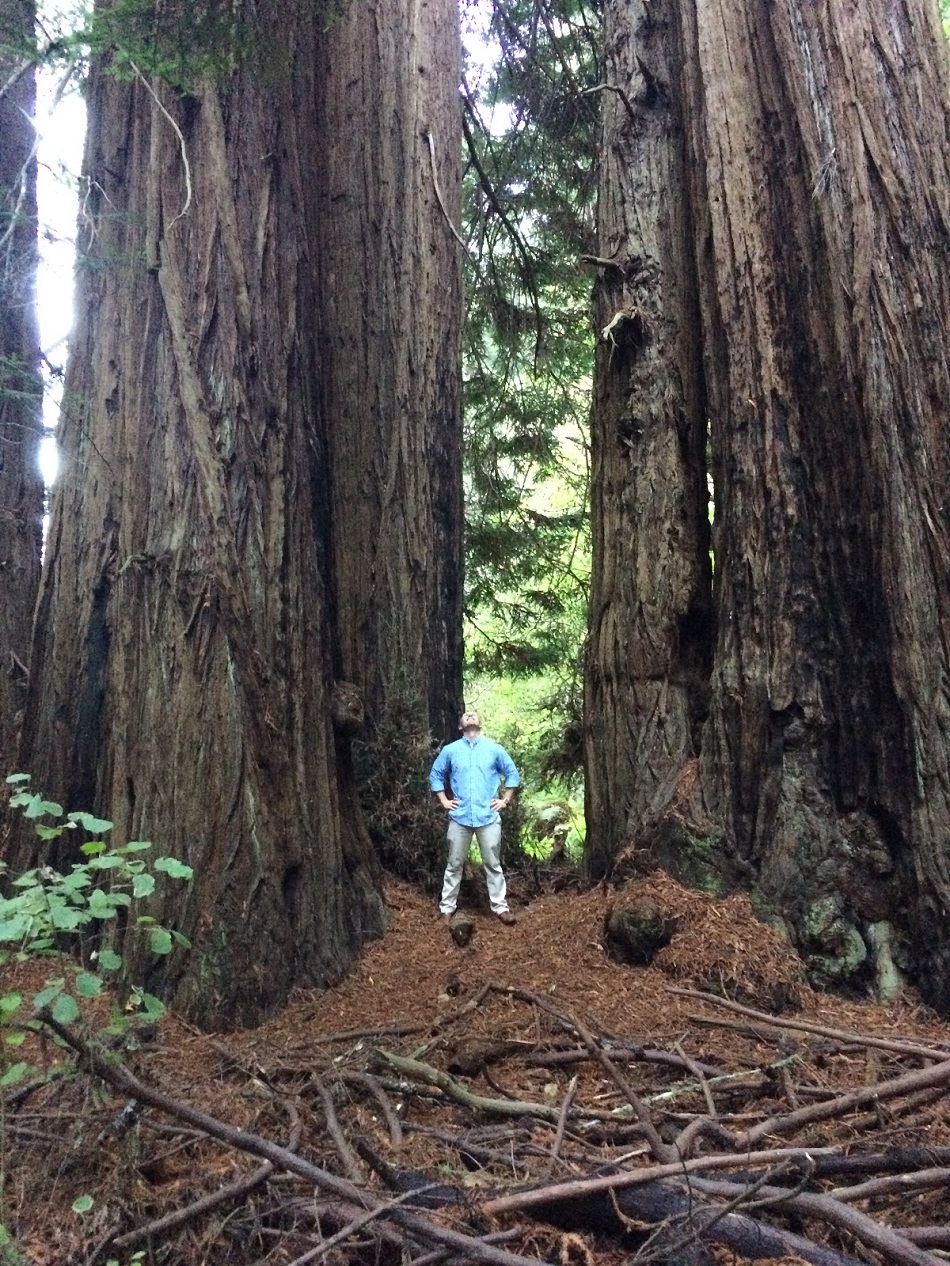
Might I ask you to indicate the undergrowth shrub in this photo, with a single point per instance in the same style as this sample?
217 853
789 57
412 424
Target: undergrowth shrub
61 915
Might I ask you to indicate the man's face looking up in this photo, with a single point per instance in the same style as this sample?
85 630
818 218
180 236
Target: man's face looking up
470 725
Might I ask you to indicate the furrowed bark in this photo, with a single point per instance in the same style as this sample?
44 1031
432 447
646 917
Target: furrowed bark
189 628
817 166
21 486
647 664
389 273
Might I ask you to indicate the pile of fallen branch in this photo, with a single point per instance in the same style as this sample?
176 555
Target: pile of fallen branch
535 1135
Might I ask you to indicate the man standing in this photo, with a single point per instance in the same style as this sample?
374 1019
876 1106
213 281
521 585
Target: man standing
464 779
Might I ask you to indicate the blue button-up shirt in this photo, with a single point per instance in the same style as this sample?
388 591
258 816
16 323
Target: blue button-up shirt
473 770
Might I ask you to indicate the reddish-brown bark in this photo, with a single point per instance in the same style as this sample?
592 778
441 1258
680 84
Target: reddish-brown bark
190 624
817 166
21 487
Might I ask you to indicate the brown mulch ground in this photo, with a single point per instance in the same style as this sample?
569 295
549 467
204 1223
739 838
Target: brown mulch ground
415 993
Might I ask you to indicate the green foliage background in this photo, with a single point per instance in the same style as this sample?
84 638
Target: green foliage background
530 183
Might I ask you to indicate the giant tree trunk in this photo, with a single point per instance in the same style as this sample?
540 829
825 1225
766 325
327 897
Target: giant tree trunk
21 487
819 174
390 282
187 627
650 606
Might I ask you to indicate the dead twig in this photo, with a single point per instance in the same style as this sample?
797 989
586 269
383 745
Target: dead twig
920 1079
357 1223
346 1153
921 1180
122 1080
662 1151
562 1122
581 1188
415 1068
896 1248
804 1026
379 1094
697 1072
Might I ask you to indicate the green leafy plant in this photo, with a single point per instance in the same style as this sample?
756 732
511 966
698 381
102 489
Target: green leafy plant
49 909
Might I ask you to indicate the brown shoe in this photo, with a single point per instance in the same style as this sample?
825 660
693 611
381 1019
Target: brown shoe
507 918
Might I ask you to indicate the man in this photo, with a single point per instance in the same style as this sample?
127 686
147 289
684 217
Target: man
471 769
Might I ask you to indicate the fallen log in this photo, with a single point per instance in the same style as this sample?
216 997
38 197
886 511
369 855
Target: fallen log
667 1201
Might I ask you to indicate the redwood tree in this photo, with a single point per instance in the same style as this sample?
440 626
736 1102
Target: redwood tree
389 277
812 223
196 607
21 487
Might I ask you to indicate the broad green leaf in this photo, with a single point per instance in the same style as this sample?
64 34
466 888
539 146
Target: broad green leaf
180 939
88 985
66 1009
136 846
92 847
77 878
14 929
152 1006
16 1072
95 826
105 904
143 885
16 1038
45 996
82 1204
173 867
100 906
106 861
67 918
109 960
9 1003
38 807
48 832
160 941
13 779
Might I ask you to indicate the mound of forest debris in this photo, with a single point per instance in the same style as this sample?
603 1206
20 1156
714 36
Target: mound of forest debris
524 1098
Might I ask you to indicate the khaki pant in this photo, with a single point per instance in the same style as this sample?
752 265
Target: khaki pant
489 844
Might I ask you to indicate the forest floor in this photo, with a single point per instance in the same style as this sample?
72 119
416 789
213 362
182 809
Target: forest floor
536 1082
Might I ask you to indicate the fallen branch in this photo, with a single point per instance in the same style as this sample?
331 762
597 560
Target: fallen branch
666 1202
356 1224
628 1054
920 1180
122 1080
920 1079
178 1218
562 1122
415 1068
897 1249
804 1026
698 1074
581 1188
345 1152
379 1094
662 1151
